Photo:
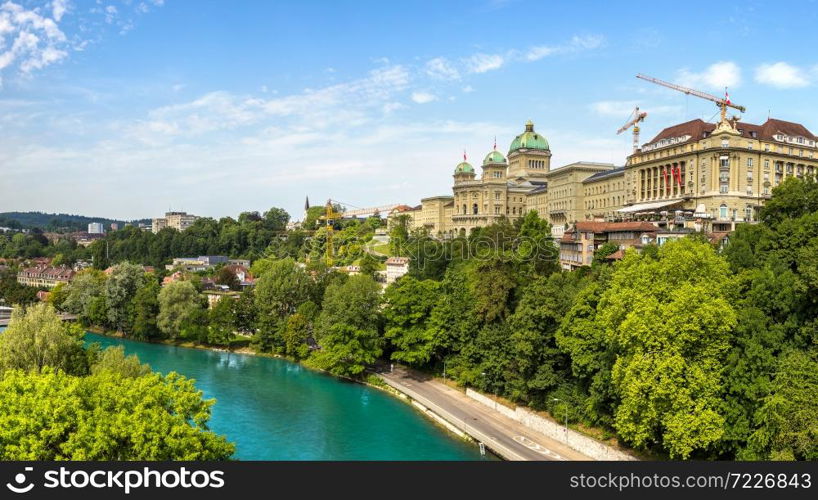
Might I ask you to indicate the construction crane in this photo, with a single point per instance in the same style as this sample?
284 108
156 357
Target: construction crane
633 121
722 103
329 217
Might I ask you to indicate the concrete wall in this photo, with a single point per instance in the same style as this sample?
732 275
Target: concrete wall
580 442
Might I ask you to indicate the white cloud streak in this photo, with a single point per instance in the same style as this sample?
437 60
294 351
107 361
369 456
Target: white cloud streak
716 76
782 75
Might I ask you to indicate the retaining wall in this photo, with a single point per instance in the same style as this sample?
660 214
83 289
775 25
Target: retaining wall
577 441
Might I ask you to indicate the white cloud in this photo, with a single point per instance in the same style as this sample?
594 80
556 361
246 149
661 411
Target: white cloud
622 109
781 75
58 8
423 97
440 68
350 104
481 63
716 76
468 89
576 44
36 41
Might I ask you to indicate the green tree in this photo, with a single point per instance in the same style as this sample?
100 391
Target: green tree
228 278
408 308
114 360
179 301
669 321
534 245
37 338
222 321
105 417
788 417
146 310
538 365
347 329
120 289
85 286
281 288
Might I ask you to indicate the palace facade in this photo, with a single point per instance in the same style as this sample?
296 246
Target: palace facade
694 175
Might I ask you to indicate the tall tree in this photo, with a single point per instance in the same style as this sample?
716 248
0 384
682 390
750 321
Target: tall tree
37 338
120 289
347 329
179 302
408 308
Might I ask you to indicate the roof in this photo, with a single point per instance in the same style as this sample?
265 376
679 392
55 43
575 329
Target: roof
494 157
612 227
464 167
581 165
616 255
397 261
605 174
697 128
529 140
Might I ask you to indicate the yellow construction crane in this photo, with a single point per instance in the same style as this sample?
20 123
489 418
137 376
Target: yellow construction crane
633 121
722 103
330 216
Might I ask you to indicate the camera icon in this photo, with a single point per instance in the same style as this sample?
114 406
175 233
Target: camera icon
20 478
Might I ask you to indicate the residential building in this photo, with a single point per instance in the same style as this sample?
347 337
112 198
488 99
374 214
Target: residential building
96 228
395 268
175 220
195 264
578 243
45 276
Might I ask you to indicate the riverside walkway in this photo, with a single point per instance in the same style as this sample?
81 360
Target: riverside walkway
4 321
505 437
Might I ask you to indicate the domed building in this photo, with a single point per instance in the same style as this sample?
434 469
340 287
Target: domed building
508 187
501 189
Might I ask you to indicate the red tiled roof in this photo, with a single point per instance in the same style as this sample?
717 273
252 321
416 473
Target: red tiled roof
696 129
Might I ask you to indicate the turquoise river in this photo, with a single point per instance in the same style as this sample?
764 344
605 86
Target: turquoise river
273 409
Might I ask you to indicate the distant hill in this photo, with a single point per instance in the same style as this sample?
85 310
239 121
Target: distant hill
57 222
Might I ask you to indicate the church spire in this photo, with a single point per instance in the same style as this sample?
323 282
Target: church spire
307 204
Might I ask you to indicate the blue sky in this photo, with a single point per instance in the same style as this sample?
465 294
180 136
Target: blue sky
127 108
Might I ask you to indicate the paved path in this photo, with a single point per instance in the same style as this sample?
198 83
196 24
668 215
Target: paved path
506 437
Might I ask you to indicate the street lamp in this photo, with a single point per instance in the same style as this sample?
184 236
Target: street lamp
566 415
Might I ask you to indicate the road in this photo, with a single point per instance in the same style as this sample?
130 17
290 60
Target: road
504 436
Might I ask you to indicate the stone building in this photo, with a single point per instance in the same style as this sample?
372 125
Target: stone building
693 175
717 174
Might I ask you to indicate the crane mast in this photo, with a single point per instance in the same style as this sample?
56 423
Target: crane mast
722 103
633 121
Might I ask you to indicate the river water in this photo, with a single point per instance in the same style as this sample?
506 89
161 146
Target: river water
273 409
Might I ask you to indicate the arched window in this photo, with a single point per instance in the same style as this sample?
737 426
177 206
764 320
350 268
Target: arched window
474 209
723 211
464 209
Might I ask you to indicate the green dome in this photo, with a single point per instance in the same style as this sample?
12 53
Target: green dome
494 157
529 140
464 168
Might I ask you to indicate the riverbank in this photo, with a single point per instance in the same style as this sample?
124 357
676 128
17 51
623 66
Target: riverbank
372 380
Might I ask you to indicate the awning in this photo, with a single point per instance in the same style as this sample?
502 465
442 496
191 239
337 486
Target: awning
644 207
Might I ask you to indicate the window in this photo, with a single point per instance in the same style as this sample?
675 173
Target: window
766 164
750 145
497 195
749 163
474 209
748 213
723 211
725 143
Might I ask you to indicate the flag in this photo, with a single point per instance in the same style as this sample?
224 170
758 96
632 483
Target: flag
726 96
464 155
495 143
